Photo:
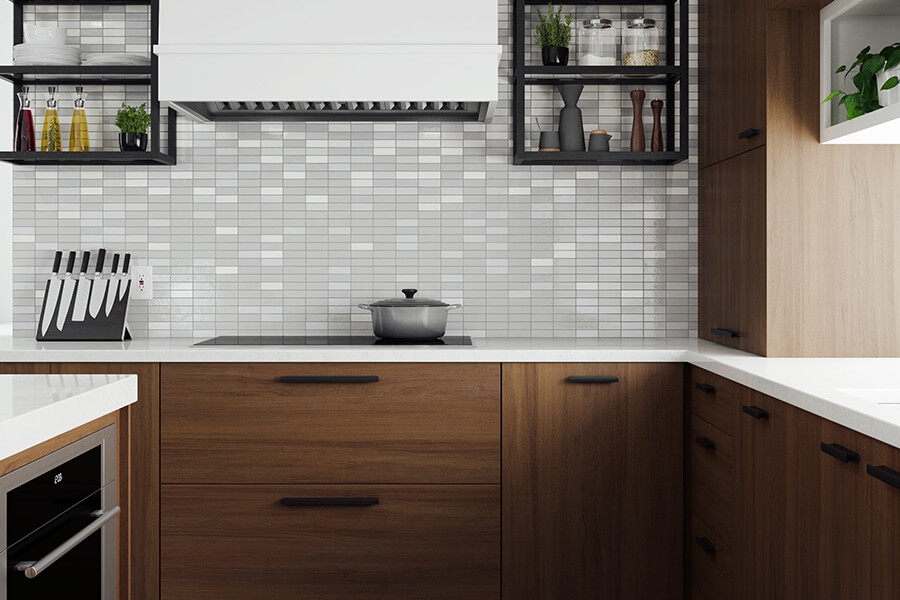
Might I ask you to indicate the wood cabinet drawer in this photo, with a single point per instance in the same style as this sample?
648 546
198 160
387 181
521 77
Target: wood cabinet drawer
712 564
228 542
419 423
712 477
715 399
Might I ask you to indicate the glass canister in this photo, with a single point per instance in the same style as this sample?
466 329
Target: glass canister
640 43
597 43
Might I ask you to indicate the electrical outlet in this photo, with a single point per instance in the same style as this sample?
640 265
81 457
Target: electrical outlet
141 282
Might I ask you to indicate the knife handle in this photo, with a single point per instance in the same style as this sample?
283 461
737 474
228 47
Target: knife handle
85 261
56 260
125 263
115 266
70 264
101 257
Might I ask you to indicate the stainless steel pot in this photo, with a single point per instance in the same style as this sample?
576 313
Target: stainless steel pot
409 318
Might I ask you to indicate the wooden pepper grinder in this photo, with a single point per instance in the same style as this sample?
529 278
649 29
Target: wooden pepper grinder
656 141
638 143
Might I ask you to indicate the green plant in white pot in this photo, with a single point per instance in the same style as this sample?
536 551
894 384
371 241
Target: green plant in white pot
875 79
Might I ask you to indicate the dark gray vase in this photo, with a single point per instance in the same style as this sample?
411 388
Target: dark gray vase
571 126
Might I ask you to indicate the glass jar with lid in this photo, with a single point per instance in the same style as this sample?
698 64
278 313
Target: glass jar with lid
640 43
597 43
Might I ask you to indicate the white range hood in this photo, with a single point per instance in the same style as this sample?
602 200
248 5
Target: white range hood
329 59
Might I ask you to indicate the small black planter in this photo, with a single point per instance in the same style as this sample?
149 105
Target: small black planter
555 55
133 142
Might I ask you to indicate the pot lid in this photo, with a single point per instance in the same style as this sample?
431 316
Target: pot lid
409 300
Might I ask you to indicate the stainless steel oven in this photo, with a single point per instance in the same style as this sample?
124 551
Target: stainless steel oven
58 523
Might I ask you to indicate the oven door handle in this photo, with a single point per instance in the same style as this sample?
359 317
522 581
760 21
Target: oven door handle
34 568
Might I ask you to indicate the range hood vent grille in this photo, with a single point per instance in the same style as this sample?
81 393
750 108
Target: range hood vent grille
333 111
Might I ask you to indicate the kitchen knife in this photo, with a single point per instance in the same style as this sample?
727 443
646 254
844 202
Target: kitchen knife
112 285
51 294
68 287
123 285
98 285
82 289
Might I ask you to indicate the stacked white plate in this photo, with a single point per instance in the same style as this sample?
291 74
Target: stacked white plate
114 59
34 53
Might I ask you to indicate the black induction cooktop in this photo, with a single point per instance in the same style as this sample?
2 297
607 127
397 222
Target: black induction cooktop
330 340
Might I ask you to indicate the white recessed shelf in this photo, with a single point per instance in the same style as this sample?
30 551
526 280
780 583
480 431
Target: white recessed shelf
848 26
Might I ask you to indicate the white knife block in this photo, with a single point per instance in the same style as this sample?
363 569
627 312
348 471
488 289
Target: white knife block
102 328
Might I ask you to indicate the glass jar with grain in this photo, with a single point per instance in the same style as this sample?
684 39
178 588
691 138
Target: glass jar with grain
640 43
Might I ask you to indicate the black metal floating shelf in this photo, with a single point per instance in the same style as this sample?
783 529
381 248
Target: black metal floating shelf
68 75
87 158
554 75
603 2
601 158
670 80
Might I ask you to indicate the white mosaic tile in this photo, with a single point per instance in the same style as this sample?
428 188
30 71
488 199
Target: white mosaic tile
284 227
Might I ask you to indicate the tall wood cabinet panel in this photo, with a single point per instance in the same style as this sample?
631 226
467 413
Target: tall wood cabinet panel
732 252
832 223
732 78
142 518
592 481
834 496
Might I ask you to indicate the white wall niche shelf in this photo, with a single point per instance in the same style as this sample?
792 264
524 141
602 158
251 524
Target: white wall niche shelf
848 26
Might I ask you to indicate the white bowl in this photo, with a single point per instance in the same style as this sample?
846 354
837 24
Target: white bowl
42 34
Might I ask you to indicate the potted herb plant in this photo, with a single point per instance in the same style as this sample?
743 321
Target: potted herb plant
553 35
133 123
869 69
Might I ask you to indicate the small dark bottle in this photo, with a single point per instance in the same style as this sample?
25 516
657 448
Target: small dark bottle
25 141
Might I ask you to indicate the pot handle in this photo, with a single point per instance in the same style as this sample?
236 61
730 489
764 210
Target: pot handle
365 306
452 306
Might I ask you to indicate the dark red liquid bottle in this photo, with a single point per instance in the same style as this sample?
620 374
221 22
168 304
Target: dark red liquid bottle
24 141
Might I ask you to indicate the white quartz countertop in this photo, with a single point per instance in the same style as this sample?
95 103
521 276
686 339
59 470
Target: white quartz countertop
36 408
859 393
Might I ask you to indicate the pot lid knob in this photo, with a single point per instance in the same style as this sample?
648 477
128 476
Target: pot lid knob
409 293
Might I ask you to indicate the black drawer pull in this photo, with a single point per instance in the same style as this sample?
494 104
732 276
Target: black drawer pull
839 452
749 133
756 412
329 501
706 388
593 379
724 333
329 379
707 546
885 474
706 443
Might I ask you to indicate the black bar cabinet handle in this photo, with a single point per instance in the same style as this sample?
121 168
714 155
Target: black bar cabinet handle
706 443
593 379
885 474
706 388
329 501
749 133
839 452
707 546
329 379
756 412
727 333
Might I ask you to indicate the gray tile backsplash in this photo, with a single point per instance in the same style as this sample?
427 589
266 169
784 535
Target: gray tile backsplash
284 227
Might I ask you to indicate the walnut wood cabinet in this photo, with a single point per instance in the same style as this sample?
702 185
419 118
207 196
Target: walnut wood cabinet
326 481
819 214
592 481
732 78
